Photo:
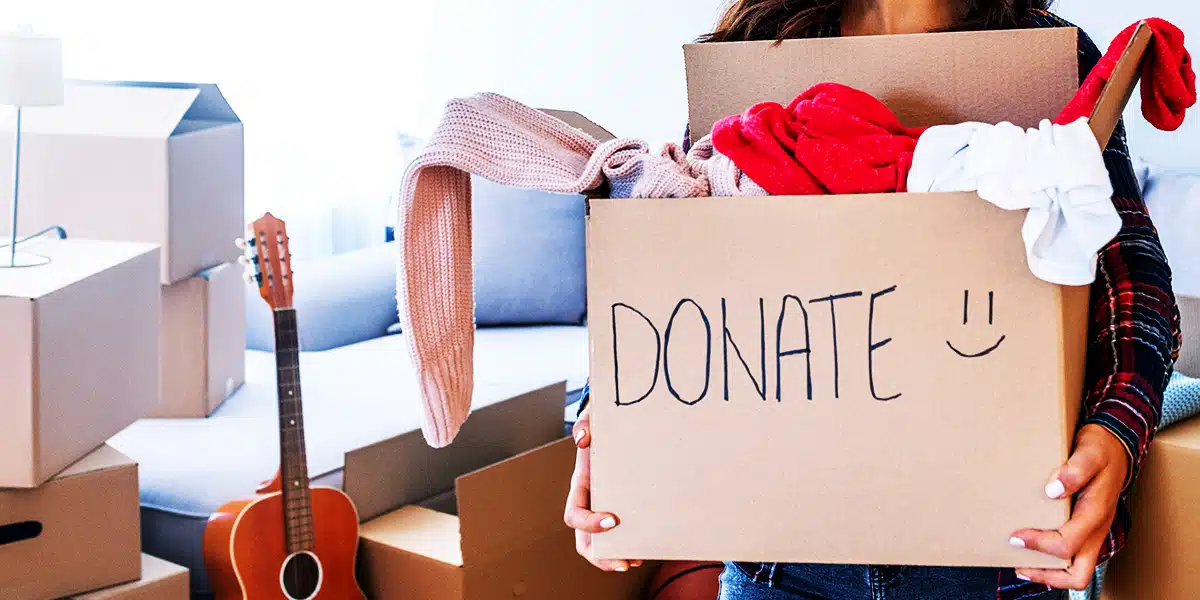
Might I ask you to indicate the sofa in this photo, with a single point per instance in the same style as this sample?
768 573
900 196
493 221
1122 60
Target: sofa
357 384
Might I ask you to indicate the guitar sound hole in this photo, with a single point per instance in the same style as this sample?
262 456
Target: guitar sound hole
301 576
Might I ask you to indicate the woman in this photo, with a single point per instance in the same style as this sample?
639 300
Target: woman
1133 337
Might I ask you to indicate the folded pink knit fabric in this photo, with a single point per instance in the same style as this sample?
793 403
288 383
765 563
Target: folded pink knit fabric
511 144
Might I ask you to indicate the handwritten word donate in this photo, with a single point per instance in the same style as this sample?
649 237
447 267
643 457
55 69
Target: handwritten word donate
790 319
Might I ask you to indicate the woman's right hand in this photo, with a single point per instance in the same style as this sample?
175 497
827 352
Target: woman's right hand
579 515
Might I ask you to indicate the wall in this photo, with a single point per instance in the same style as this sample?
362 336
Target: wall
619 62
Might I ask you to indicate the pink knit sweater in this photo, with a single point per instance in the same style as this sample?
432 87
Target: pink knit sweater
511 144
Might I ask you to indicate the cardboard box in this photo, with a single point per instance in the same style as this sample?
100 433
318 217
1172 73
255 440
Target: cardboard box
1189 355
203 342
79 354
78 532
150 162
160 580
1159 561
488 533
852 379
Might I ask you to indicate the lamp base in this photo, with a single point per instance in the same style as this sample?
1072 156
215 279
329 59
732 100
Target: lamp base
22 260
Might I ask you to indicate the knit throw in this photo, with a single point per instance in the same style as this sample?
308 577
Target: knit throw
832 139
1168 81
511 144
1181 400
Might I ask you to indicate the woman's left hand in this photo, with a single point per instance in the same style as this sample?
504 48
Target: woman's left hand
1095 475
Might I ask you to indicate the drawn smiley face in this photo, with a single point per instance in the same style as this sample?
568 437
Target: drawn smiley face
966 321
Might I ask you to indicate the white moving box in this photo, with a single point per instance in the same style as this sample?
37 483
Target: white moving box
78 354
147 162
203 342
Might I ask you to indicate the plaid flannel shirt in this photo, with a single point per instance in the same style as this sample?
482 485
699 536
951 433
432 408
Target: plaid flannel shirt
1133 336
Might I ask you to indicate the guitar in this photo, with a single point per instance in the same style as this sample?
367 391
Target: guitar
291 541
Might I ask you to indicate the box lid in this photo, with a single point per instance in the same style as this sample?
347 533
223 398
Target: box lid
131 109
103 459
72 261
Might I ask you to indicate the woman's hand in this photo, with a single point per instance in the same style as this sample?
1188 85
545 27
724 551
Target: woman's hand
1095 475
579 515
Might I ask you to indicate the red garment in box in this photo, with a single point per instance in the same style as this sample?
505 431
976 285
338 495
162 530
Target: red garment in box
1168 81
832 139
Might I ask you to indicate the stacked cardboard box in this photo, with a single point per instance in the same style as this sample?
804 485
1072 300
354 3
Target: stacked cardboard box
136 314
173 176
1159 562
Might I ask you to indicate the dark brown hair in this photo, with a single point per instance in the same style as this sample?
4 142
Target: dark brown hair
749 20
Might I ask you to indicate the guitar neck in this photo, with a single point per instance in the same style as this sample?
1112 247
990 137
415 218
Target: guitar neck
297 500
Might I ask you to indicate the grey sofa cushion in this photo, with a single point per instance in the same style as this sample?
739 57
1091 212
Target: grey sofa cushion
529 256
339 300
1173 198
353 396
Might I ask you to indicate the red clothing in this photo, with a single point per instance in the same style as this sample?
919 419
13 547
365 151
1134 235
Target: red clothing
1168 81
832 139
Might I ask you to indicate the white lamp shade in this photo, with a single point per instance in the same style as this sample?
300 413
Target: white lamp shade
31 70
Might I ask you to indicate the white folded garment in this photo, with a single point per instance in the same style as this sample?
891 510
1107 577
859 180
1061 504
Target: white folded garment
1057 172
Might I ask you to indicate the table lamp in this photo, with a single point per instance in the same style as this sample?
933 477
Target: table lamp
30 75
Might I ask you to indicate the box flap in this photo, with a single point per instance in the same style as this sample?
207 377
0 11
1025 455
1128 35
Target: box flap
511 504
405 470
582 123
1189 355
133 110
926 79
1181 435
417 530
103 459
209 109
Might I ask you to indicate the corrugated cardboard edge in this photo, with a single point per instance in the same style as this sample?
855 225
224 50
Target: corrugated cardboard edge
1119 89
1189 354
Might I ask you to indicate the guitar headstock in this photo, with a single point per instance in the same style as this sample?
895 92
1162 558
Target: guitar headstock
269 261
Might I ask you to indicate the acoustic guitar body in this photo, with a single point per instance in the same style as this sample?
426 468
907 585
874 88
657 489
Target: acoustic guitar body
247 559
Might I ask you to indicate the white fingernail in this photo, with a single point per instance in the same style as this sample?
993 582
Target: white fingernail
608 523
1016 542
579 435
1023 578
621 568
1055 489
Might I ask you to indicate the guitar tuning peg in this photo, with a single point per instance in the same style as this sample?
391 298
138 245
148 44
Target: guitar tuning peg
240 243
248 278
242 260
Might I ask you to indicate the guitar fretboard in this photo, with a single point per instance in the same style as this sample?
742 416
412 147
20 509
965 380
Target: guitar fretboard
297 499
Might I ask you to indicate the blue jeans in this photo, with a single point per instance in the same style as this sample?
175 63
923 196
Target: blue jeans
850 582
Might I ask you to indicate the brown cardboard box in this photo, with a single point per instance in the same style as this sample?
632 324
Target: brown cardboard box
859 379
203 342
1189 355
465 532
1159 561
79 353
78 532
160 580
149 162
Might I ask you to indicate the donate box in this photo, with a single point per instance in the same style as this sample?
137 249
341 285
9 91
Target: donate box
837 379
